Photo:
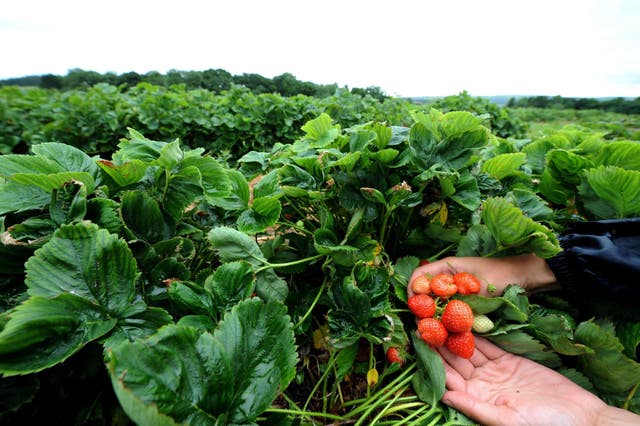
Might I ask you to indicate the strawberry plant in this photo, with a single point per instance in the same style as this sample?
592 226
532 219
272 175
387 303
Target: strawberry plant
274 290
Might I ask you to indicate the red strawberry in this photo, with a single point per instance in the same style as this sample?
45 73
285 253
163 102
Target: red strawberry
461 344
420 284
442 285
432 331
467 283
423 262
457 316
422 305
393 355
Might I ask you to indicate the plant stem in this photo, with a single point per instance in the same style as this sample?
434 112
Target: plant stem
313 305
284 265
323 379
630 396
303 413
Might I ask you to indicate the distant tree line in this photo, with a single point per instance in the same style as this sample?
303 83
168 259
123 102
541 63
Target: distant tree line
619 104
215 80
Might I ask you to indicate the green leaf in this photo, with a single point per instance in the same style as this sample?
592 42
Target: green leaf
11 164
264 212
214 180
232 245
68 203
43 332
230 283
360 139
350 315
15 197
270 287
104 213
170 155
504 165
607 367
611 192
467 193
513 230
629 334
143 217
124 174
190 298
85 261
429 380
188 376
402 271
139 325
478 241
321 131
373 195
530 204
624 154
184 188
565 166
137 147
268 186
238 195
69 158
55 180
520 343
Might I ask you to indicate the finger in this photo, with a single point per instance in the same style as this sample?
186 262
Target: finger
453 379
477 409
478 358
463 366
488 349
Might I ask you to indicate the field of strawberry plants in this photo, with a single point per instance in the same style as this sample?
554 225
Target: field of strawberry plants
257 273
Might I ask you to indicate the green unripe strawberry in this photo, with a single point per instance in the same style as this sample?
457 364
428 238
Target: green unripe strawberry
482 324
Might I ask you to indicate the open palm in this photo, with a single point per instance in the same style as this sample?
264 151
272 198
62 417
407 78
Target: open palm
498 388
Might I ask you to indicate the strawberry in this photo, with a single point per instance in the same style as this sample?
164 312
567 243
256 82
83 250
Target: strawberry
423 262
421 284
432 331
393 355
422 305
442 285
457 316
482 324
467 283
461 344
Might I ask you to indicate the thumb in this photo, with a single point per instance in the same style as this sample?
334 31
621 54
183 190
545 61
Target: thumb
475 408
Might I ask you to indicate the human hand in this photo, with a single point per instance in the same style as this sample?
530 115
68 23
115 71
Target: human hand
495 387
527 271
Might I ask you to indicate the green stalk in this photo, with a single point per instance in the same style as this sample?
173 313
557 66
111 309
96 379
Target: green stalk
313 305
284 265
303 413
630 396
380 397
406 419
323 379
390 385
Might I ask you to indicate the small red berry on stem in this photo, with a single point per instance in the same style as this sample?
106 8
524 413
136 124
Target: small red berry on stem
422 305
442 285
457 316
432 331
393 355
461 344
421 284
467 283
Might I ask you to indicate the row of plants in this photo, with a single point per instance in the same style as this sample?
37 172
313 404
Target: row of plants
234 121
162 286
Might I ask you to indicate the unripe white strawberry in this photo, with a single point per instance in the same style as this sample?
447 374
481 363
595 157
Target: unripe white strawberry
482 324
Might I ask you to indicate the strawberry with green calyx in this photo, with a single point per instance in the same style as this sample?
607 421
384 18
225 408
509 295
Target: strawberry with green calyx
432 331
457 316
482 324
467 283
393 355
421 284
461 344
422 305
442 285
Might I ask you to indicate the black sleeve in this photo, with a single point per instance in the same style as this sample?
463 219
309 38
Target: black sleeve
600 266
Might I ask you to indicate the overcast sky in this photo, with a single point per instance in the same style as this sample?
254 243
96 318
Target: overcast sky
578 48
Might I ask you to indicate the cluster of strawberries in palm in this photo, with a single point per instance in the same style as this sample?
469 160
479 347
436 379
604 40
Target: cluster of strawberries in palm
443 321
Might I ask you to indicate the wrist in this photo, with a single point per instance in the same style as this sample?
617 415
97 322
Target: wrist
538 273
